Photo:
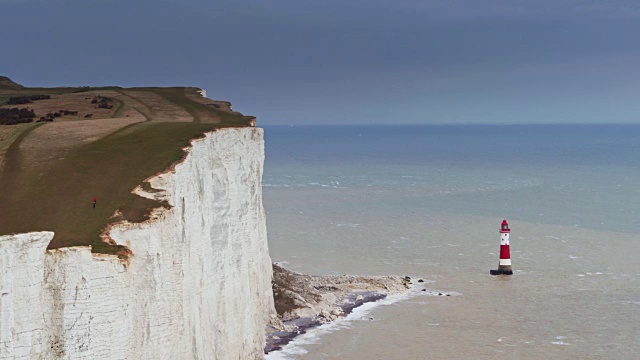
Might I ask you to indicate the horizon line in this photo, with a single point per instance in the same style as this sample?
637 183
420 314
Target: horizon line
450 124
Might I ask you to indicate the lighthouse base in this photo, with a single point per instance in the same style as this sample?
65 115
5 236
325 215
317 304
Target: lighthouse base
502 270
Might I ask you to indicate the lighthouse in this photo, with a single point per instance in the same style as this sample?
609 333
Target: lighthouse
504 266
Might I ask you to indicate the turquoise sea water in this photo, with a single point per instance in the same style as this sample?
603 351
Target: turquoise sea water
428 200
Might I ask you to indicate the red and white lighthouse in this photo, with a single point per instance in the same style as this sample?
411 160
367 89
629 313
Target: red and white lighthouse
504 266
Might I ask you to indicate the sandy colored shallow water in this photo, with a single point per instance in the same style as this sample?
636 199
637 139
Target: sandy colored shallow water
574 293
574 240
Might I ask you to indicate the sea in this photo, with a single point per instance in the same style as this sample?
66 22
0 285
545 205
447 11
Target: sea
427 202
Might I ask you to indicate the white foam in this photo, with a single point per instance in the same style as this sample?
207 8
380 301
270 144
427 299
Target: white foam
312 336
281 185
629 302
352 225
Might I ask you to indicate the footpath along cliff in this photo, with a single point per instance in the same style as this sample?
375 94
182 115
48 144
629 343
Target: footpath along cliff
197 285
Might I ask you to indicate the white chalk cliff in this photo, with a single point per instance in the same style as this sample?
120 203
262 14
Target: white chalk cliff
198 285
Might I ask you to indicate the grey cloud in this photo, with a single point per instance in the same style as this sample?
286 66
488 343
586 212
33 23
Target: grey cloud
345 61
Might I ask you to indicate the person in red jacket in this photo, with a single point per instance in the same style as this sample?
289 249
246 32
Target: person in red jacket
94 202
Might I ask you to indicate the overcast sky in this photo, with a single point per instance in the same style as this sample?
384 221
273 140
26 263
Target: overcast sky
345 61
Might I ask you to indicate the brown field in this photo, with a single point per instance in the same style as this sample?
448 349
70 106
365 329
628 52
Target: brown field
80 102
159 109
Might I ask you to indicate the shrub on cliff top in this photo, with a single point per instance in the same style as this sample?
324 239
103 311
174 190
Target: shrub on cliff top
17 100
16 116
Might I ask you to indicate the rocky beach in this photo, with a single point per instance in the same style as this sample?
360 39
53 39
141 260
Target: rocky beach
304 301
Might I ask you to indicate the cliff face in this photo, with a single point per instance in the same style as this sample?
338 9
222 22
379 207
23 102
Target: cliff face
198 285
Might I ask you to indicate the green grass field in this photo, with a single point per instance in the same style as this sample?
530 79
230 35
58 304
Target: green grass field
58 197
197 110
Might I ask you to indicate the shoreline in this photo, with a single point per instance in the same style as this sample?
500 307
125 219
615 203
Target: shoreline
305 302
276 340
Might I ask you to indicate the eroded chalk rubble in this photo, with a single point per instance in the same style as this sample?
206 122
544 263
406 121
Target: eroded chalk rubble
305 301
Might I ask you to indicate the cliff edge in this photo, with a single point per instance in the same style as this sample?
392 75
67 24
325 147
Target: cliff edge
197 285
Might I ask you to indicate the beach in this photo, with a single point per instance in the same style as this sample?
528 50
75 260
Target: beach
305 302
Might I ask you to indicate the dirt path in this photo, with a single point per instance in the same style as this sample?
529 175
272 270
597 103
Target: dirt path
118 112
11 169
137 105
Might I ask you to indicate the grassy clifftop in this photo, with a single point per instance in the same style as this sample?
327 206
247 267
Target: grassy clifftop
102 143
